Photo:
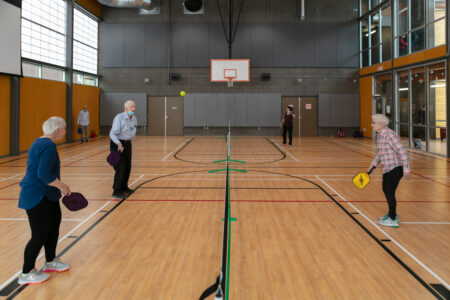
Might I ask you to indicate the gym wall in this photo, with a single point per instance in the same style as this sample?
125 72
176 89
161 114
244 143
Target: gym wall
89 95
5 103
365 95
39 100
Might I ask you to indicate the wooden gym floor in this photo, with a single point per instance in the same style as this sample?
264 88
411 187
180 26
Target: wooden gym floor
302 231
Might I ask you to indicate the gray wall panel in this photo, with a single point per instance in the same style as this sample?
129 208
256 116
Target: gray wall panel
189 110
156 45
212 110
263 109
134 45
241 44
232 109
275 110
304 45
335 110
200 110
218 47
112 103
347 110
179 39
240 110
224 109
325 45
114 45
283 45
324 110
261 45
347 45
252 109
197 44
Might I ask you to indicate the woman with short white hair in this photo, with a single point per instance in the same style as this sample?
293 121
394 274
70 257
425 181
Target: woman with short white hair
39 196
394 158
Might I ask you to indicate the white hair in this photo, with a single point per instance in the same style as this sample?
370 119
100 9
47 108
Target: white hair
128 103
50 126
380 119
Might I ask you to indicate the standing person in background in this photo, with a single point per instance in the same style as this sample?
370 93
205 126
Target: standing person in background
41 190
394 158
123 131
288 124
83 122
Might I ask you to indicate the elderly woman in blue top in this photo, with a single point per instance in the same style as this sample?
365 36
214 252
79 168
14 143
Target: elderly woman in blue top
123 131
39 196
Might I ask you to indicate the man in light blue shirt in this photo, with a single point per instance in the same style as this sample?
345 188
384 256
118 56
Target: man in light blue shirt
123 131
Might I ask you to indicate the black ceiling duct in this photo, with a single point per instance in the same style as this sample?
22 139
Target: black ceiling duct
193 6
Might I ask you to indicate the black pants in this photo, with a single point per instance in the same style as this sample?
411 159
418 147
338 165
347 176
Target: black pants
390 183
45 219
123 168
285 130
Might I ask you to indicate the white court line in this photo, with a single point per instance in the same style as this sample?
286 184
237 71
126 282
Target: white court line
9 178
8 281
426 223
71 158
165 157
390 238
279 146
19 219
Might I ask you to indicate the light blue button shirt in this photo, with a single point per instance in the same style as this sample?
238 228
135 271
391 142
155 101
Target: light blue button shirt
123 128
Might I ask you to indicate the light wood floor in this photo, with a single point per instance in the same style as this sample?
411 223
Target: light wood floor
302 231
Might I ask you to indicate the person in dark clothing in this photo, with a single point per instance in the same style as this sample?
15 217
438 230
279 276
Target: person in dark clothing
41 189
288 124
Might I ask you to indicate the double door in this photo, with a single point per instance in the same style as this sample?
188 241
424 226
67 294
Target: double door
165 116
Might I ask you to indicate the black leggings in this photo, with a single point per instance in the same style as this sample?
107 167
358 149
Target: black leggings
286 130
123 168
45 219
390 183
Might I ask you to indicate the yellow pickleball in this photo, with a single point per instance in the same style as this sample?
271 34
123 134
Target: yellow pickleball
182 93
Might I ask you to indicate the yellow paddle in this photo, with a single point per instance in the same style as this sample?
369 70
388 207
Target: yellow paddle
362 179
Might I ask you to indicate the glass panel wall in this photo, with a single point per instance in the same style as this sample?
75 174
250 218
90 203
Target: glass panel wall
386 33
403 96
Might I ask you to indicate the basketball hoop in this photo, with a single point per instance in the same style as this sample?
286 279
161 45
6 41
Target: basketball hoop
230 81
230 70
230 75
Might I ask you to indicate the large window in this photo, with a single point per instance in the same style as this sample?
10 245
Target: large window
85 43
43 31
422 106
41 71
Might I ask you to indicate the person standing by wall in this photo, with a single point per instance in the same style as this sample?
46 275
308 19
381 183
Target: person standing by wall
123 131
41 189
83 122
288 124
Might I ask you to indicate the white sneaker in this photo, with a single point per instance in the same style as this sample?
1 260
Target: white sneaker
389 222
33 277
383 217
56 265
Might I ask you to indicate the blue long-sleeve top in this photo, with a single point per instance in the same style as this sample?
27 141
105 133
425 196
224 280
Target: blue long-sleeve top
43 167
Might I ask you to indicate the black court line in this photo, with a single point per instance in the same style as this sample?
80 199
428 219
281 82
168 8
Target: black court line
379 242
175 155
25 157
14 285
221 188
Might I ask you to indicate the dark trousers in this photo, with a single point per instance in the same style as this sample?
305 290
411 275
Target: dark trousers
390 183
286 130
45 219
123 168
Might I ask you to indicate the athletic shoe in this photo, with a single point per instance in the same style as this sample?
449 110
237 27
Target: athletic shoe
33 277
56 265
383 217
118 196
389 222
128 191
289 146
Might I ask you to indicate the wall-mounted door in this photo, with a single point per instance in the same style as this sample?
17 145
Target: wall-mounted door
308 116
165 116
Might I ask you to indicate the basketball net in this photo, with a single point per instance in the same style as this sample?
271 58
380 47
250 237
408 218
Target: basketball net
230 81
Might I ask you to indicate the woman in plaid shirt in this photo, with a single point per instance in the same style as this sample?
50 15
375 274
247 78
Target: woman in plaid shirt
394 159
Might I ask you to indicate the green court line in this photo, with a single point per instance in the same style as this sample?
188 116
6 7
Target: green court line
239 161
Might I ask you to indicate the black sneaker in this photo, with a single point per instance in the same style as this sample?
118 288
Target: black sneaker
118 196
128 191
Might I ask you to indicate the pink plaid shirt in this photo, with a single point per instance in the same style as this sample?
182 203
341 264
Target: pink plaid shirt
391 152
